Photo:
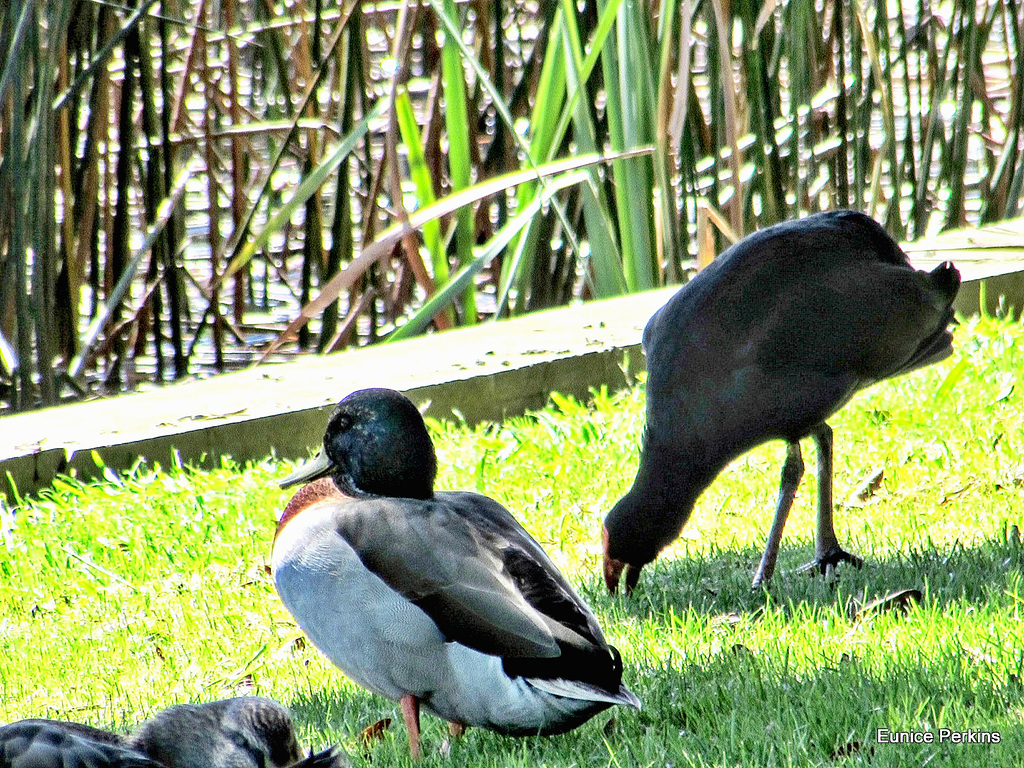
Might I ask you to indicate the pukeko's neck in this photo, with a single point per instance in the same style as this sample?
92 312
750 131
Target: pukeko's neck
667 484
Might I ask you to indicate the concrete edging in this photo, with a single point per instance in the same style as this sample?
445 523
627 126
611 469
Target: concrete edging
485 372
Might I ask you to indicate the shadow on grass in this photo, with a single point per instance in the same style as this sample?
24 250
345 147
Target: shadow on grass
720 582
740 705
336 716
754 709
732 708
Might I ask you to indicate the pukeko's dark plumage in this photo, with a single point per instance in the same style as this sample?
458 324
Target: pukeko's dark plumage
767 342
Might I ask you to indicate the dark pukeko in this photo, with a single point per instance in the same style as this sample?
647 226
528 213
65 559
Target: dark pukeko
767 342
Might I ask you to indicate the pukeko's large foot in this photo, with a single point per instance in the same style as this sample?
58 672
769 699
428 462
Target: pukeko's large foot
830 559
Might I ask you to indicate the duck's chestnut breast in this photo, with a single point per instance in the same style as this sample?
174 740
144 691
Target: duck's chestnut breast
307 496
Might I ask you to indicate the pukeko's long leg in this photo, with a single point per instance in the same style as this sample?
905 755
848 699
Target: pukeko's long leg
826 549
792 471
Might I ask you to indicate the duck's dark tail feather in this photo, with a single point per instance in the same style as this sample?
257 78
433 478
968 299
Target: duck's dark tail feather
331 757
591 673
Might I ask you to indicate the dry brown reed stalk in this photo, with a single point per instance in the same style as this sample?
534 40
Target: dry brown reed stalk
310 131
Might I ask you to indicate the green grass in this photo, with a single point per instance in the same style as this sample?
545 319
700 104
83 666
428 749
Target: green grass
121 598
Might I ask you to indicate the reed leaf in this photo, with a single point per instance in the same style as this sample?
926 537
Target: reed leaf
443 207
309 185
164 211
520 277
419 173
627 66
419 321
101 57
551 89
456 118
605 257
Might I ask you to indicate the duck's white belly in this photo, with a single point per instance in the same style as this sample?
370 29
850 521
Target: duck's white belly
388 645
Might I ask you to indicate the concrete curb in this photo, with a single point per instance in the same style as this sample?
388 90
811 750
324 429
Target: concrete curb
482 373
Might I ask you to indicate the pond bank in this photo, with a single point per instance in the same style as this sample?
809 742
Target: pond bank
481 373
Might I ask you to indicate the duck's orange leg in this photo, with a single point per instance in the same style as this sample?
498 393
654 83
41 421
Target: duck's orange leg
411 714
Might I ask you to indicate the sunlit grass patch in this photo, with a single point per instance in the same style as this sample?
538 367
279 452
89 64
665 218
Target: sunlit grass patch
120 598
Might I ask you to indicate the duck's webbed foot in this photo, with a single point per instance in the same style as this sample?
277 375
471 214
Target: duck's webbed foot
831 559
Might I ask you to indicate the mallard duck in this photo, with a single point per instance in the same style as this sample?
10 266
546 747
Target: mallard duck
241 732
439 600
39 743
767 342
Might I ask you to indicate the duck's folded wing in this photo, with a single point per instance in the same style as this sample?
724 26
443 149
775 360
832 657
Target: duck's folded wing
535 576
474 580
48 743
